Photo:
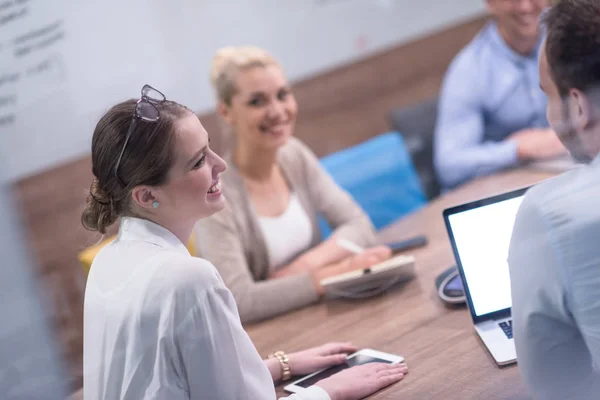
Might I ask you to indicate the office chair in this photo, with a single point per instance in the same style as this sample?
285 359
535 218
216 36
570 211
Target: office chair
380 176
417 125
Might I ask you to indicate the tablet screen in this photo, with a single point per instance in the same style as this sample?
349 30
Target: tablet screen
357 359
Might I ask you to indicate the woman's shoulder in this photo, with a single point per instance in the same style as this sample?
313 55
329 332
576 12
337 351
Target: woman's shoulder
154 273
298 160
183 273
184 284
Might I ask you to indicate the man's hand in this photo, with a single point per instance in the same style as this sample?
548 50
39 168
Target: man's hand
537 144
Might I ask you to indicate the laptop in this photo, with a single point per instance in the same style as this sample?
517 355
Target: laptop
480 233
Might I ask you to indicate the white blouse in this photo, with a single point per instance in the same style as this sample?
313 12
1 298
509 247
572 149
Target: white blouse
286 235
160 324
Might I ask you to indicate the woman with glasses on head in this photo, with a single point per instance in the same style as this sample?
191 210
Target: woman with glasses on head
159 323
267 244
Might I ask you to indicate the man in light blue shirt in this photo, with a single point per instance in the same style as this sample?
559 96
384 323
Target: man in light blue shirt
554 255
491 112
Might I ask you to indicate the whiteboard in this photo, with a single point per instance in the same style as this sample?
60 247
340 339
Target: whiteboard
64 62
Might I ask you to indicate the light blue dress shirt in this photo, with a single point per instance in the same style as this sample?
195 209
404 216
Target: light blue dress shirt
489 92
554 261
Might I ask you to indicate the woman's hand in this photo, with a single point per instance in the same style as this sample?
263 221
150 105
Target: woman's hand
363 380
311 360
368 258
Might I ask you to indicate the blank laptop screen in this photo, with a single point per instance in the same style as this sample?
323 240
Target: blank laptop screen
482 236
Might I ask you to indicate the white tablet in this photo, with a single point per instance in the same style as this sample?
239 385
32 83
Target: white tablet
363 356
383 275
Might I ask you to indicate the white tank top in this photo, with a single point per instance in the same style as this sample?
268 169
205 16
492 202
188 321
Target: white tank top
287 235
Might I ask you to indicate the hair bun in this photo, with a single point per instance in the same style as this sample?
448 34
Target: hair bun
100 211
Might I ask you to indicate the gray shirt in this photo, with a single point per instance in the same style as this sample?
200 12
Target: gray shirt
554 261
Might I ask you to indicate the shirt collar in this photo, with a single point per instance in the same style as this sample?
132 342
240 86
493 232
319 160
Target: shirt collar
500 45
147 231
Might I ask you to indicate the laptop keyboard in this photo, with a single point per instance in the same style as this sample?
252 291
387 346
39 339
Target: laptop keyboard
507 328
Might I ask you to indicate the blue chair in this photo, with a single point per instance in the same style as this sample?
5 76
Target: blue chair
380 176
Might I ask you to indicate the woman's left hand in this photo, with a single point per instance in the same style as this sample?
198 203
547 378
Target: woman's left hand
311 360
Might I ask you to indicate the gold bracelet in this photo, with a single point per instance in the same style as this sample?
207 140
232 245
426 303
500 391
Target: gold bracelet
286 372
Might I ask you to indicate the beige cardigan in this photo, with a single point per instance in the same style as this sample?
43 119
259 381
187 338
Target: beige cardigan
233 240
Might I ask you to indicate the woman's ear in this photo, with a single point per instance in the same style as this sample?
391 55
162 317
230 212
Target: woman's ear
144 197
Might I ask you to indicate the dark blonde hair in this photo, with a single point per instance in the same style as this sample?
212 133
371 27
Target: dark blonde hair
146 160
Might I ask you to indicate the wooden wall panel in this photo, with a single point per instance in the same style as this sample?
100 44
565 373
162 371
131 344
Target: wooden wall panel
337 109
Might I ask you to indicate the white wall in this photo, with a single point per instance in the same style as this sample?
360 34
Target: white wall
104 51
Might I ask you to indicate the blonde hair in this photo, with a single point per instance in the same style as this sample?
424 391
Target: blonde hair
229 61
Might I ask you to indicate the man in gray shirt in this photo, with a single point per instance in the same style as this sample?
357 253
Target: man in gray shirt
554 254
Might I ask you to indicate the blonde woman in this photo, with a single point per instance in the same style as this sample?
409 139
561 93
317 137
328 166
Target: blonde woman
267 244
159 323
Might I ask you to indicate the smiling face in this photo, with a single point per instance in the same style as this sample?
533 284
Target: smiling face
518 19
193 189
263 109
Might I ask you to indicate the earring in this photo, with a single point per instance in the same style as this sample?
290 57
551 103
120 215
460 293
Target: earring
155 204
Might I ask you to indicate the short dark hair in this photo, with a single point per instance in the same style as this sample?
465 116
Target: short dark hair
573 44
146 160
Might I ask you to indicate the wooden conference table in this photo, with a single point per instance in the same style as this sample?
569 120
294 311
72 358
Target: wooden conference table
445 357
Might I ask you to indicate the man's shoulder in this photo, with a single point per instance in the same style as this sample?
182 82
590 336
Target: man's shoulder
477 54
566 198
